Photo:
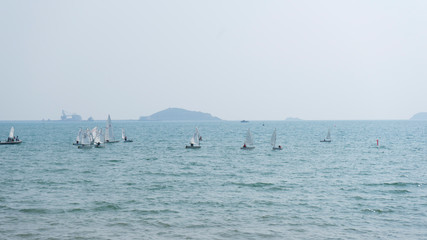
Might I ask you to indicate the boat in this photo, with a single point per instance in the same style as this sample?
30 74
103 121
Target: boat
244 121
86 140
124 137
99 140
109 136
195 140
11 139
328 137
249 142
273 141
78 138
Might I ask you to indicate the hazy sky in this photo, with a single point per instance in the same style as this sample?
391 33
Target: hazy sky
254 60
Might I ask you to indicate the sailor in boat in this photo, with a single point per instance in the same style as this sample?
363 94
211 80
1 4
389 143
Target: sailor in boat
126 138
200 138
191 144
280 147
244 145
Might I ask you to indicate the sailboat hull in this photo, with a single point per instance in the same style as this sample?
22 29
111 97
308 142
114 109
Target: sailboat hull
325 140
128 141
111 141
15 142
193 147
277 148
85 146
247 148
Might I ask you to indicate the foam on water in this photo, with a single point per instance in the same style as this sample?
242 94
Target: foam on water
154 188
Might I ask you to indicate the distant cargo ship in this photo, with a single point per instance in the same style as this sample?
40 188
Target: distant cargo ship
70 117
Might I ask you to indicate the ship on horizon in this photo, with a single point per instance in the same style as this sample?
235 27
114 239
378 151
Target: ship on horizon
70 117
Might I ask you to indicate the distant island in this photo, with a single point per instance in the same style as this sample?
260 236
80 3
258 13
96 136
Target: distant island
419 116
178 114
293 119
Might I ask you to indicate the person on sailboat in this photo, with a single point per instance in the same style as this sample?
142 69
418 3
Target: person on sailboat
280 147
244 145
17 138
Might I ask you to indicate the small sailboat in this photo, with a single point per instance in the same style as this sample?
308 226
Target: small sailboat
273 141
328 137
99 141
249 142
109 136
124 137
86 140
12 139
195 140
78 138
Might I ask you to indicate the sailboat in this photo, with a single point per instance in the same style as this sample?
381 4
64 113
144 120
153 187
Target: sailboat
86 140
328 137
273 141
99 139
78 138
12 139
109 136
249 142
195 140
124 137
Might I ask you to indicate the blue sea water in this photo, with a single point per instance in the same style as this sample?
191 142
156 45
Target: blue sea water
154 188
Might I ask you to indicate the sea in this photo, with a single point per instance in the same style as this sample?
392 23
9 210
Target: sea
155 188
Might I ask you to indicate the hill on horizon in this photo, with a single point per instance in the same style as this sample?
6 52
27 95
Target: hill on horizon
179 114
419 116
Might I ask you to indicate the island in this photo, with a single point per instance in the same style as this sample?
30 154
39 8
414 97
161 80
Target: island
293 119
419 116
178 114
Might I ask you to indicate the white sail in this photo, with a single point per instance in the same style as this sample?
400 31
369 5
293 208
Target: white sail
12 132
249 141
109 136
79 136
99 137
86 138
328 137
94 132
123 134
273 139
195 139
102 137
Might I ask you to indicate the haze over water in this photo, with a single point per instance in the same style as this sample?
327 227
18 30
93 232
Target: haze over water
154 188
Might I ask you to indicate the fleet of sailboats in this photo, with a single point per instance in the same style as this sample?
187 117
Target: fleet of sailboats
96 138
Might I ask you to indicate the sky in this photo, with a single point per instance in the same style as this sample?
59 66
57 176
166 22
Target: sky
234 59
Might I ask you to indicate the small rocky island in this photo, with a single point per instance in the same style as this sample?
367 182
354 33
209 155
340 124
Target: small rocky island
178 114
419 116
